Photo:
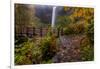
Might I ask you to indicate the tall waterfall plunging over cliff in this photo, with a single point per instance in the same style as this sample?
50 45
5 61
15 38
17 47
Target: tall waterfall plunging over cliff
53 17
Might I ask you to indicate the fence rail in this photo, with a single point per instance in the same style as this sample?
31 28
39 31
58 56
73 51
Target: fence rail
32 31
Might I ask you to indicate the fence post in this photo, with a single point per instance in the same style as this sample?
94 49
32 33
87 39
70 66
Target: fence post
58 32
41 31
27 31
62 32
33 30
21 32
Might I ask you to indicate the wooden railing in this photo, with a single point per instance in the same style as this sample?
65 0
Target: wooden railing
32 31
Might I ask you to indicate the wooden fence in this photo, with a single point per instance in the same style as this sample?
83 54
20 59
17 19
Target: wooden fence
32 31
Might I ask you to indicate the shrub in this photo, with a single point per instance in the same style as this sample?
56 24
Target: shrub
90 32
68 31
87 50
20 39
28 53
76 28
22 53
22 59
87 47
36 55
48 47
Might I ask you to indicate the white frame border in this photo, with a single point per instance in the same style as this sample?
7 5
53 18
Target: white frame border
73 3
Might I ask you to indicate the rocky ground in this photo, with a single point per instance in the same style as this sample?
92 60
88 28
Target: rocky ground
69 49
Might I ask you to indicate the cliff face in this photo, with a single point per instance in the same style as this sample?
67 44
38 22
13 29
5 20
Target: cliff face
44 13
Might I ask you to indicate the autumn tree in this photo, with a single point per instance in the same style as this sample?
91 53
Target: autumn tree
25 16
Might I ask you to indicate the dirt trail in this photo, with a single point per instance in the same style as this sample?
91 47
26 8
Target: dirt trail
69 49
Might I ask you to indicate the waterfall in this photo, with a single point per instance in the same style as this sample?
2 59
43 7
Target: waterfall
53 17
